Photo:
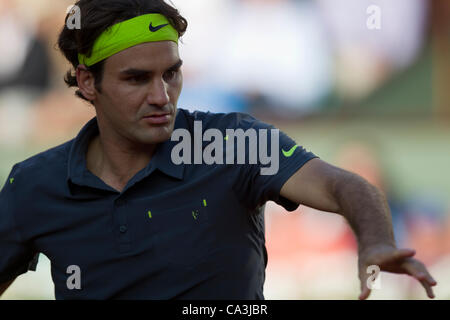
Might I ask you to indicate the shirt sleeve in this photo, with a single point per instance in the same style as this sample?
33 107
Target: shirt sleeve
255 187
16 255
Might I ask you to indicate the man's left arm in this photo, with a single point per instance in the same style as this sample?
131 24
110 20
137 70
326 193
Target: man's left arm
325 187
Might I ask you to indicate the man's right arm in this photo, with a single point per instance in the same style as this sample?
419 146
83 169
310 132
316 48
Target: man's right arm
4 286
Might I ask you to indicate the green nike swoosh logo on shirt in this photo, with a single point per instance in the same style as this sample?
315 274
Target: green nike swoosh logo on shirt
289 153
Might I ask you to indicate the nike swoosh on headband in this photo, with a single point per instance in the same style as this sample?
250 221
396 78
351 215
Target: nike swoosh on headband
154 29
129 33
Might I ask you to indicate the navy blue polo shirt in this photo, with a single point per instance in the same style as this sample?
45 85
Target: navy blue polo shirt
183 231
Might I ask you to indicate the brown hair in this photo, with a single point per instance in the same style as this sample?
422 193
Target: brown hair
96 17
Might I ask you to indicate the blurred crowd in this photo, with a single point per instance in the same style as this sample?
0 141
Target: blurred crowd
275 59
292 58
280 58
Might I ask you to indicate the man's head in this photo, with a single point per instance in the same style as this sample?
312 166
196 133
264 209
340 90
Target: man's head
139 81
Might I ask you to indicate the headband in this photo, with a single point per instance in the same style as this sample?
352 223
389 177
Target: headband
123 35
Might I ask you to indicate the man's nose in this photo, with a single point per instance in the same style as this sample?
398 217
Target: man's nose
158 93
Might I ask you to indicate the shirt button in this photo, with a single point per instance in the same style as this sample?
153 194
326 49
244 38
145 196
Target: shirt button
123 229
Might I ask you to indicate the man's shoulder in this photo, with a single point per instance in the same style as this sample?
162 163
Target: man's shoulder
219 119
49 160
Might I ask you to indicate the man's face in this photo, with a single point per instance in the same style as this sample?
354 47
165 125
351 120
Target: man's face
140 84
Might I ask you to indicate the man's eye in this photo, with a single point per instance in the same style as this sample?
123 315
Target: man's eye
169 75
138 79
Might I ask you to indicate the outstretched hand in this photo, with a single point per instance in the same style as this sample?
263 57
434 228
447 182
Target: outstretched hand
394 260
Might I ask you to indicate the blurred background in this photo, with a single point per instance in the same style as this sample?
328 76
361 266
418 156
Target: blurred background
362 84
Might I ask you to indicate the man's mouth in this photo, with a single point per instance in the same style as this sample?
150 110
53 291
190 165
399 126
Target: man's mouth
158 118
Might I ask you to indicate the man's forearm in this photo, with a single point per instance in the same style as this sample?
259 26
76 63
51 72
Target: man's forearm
367 211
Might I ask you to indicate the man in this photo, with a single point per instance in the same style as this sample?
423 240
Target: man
119 219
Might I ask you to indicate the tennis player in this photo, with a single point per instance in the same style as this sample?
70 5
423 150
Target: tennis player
119 219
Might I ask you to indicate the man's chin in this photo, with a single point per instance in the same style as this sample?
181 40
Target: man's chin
159 135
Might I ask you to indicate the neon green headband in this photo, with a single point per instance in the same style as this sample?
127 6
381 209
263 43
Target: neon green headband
146 28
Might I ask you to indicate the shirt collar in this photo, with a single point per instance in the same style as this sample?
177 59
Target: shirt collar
78 173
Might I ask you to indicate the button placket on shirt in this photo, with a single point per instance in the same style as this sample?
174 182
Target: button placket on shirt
120 218
120 209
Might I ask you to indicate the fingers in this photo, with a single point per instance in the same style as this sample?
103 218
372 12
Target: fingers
428 289
391 256
365 292
395 261
417 270
401 254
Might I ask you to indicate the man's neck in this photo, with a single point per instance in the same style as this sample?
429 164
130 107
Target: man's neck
115 164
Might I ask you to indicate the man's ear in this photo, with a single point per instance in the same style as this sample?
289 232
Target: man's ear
86 82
